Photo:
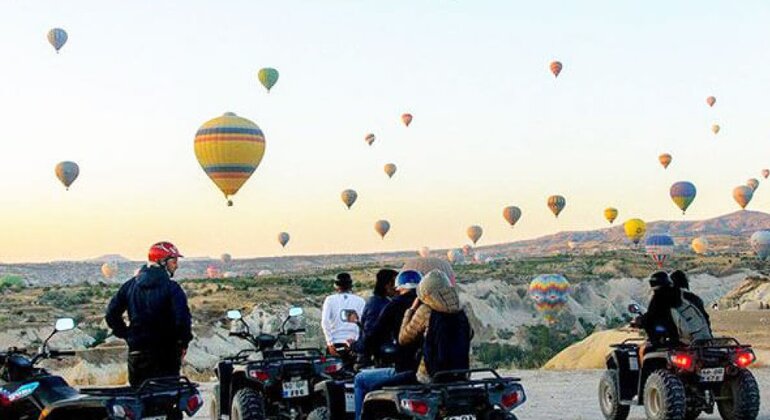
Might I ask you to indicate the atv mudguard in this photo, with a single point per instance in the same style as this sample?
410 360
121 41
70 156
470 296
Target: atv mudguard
379 404
232 378
626 362
331 394
652 361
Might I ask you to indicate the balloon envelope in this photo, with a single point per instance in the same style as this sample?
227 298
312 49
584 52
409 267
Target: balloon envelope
67 172
406 119
760 243
700 245
665 160
474 233
765 173
635 229
212 272
108 270
660 248
283 238
424 252
550 293
382 227
555 67
57 37
467 250
753 183
711 100
715 128
455 256
369 139
683 194
512 214
390 169
556 203
349 197
229 149
610 213
742 195
268 77
426 265
226 258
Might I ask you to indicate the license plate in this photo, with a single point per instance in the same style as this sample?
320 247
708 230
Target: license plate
350 402
633 363
712 375
461 417
155 418
296 389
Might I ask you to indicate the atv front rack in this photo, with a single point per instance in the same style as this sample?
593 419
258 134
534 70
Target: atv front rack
450 375
150 387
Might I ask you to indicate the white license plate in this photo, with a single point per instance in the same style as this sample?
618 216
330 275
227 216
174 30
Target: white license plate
462 417
155 418
296 389
712 375
350 402
633 363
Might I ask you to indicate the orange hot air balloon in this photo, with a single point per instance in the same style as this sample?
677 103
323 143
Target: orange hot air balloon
665 160
555 68
382 227
742 195
711 100
406 119
474 233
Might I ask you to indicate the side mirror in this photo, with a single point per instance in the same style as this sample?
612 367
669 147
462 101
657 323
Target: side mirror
234 314
295 312
634 308
349 315
64 324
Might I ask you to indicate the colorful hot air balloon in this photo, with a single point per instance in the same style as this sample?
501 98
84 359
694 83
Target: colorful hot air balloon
555 67
665 160
406 119
635 230
229 149
455 256
212 272
474 233
390 169
57 37
349 197
742 195
225 258
660 248
550 293
753 183
711 100
283 239
424 252
67 172
715 128
467 250
760 243
109 270
700 245
268 76
426 265
610 213
765 173
369 139
683 194
556 203
382 227
511 214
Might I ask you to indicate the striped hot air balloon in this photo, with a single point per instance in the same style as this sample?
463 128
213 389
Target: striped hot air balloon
556 203
229 149
659 248
57 37
555 67
550 293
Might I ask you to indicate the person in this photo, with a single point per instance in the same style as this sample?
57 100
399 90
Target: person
681 282
658 322
337 331
438 317
384 290
385 331
159 323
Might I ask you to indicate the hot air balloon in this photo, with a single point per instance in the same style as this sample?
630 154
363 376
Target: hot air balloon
765 173
715 128
700 245
67 172
264 273
555 67
57 37
683 193
760 243
511 214
635 230
382 227
424 252
474 233
229 149
659 248
550 293
369 138
390 169
268 76
455 256
426 265
753 183
406 119
467 250
349 197
556 203
225 258
283 239
665 160
610 213
742 195
108 270
212 272
711 100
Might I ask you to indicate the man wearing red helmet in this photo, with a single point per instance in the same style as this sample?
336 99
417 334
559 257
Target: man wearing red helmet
159 322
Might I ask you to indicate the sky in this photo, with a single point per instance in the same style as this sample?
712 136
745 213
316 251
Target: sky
492 126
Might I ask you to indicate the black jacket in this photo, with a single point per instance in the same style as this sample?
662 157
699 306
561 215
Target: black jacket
386 328
698 302
158 315
658 322
372 310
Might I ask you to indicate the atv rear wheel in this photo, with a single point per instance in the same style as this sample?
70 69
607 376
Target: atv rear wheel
214 406
609 397
664 397
247 405
742 393
320 413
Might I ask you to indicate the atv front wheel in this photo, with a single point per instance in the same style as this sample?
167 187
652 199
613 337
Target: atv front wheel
320 413
664 397
609 397
214 405
247 405
742 397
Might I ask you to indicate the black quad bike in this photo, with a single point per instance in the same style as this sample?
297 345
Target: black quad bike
680 382
271 380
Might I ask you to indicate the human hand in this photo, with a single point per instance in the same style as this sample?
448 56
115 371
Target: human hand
332 351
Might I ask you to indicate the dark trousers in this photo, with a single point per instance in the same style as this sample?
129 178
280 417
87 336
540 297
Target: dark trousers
144 365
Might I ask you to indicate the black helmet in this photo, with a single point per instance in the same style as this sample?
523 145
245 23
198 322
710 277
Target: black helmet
680 280
343 281
660 279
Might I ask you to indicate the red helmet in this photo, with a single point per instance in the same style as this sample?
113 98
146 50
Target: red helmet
162 251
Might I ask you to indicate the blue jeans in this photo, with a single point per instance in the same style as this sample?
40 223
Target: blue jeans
370 380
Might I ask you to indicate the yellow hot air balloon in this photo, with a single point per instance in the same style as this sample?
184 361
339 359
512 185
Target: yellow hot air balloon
635 230
382 227
700 245
390 169
229 149
349 197
474 233
665 160
715 128
610 213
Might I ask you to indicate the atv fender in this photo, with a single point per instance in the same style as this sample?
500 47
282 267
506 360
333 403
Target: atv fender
380 404
626 362
652 362
238 381
331 394
224 372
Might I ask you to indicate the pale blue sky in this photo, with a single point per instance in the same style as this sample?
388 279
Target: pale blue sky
492 127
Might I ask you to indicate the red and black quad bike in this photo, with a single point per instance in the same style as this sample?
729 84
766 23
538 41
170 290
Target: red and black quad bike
271 380
168 398
454 395
680 382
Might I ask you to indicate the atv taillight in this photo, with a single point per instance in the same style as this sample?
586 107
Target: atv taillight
421 408
743 359
333 368
510 400
259 375
194 404
122 412
682 361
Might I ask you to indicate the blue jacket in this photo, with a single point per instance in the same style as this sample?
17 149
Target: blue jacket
372 310
158 315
